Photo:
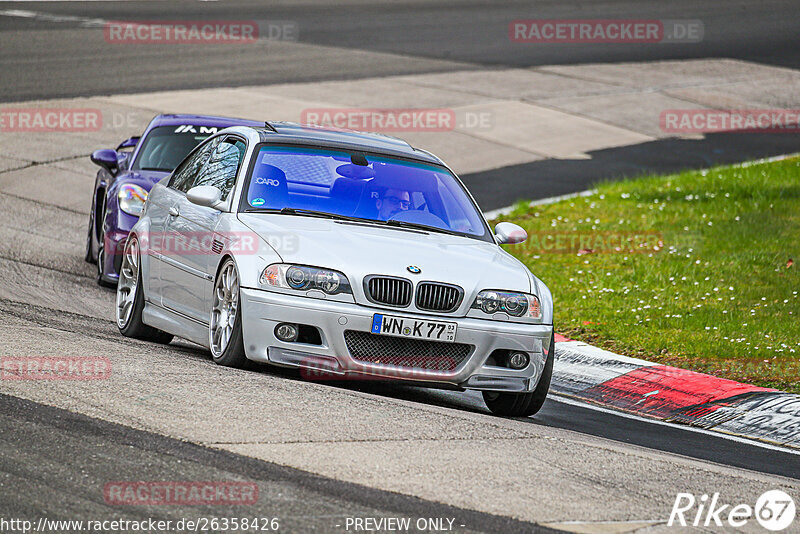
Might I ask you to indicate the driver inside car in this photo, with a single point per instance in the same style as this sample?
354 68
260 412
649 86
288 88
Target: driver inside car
392 202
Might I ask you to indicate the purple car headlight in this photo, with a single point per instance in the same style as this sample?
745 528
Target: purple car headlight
131 198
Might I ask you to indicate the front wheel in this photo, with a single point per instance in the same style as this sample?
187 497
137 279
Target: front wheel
523 404
225 328
130 299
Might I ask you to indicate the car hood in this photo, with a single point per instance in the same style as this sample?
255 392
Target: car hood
359 250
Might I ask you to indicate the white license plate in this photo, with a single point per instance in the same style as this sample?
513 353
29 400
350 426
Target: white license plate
414 328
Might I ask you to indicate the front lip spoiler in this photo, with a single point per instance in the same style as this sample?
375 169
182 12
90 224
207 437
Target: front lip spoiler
324 367
511 384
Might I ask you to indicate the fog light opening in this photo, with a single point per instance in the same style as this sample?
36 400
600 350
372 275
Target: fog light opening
287 332
518 360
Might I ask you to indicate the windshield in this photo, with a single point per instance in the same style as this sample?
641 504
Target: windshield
166 146
364 186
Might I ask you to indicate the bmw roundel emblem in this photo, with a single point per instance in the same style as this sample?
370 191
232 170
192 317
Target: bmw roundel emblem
413 269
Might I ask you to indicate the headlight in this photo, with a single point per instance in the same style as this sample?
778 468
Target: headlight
304 278
131 199
514 304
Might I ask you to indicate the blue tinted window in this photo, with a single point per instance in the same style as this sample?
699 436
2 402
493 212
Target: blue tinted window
384 189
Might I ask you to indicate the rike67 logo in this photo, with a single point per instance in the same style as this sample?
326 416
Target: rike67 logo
774 510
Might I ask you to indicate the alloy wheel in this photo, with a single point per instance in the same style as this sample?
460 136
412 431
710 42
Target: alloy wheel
128 283
224 308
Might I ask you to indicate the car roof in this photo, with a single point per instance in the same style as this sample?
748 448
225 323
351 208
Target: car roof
293 133
200 120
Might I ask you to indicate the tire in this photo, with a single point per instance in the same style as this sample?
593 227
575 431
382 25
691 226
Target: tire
225 338
101 264
523 404
130 293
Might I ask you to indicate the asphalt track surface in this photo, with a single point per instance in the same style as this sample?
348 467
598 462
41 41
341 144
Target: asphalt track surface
54 462
42 59
54 54
35 485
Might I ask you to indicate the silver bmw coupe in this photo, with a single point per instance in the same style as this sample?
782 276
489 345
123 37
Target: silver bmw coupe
344 254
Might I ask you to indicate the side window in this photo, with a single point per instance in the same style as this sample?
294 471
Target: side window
184 176
221 168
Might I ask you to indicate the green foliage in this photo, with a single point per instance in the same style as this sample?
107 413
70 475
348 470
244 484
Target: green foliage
720 296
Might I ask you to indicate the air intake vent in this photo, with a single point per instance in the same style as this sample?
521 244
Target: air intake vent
216 246
432 296
404 352
388 291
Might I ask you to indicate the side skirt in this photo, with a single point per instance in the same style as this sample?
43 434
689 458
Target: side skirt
175 323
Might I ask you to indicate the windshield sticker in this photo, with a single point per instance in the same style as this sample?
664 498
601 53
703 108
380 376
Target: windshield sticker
268 181
257 202
188 128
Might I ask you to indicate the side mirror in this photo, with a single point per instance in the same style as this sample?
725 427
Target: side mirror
205 195
129 143
509 233
106 158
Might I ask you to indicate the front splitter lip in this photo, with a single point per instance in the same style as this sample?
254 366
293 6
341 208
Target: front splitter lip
323 367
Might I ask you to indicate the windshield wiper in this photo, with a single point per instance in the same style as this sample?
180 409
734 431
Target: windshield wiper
321 214
418 226
391 222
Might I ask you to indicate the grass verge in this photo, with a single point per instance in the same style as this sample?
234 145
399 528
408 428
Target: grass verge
698 270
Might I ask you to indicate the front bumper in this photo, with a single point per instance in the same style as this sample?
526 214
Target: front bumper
262 311
115 235
114 247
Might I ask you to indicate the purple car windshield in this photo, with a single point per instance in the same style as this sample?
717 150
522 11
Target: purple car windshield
363 186
164 147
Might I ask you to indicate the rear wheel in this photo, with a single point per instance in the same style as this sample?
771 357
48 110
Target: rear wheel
225 328
130 299
523 404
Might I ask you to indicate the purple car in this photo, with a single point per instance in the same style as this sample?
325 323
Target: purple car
125 179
